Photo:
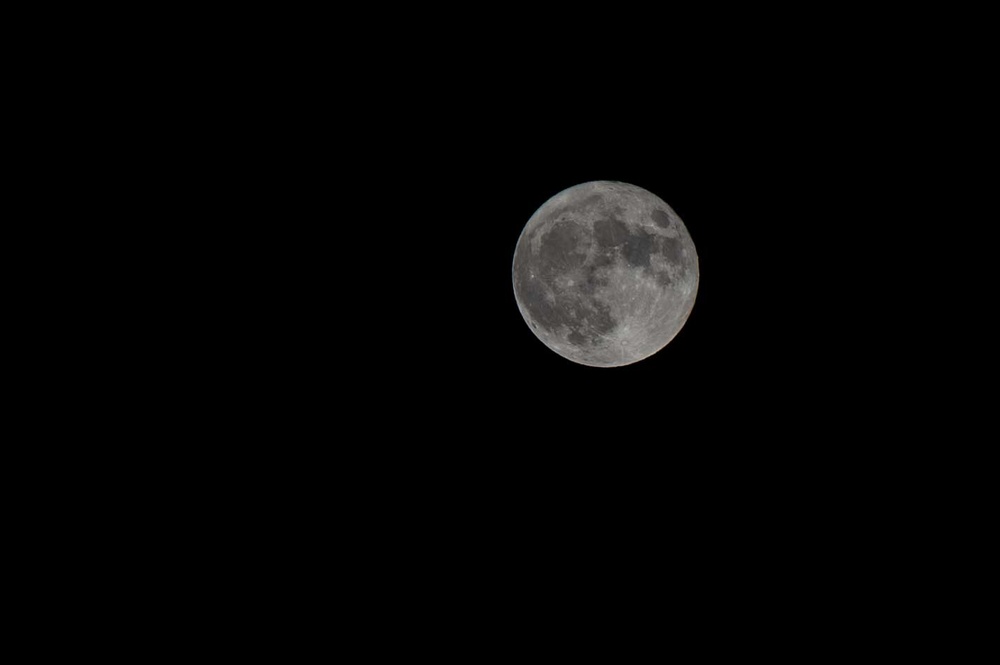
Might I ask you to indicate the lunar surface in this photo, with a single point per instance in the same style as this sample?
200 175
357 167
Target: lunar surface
605 274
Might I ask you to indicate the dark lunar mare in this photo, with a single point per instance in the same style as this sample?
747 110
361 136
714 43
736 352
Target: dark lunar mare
610 233
661 219
671 251
595 273
562 253
563 248
638 247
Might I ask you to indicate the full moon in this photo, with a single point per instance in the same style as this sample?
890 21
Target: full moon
605 274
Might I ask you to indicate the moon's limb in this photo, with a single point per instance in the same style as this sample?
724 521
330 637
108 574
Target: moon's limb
605 273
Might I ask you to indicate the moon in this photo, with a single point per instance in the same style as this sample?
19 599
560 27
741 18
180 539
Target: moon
605 274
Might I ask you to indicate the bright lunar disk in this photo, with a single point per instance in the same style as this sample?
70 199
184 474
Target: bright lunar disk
605 274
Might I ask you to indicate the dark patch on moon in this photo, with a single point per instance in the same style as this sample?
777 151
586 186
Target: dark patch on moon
670 248
661 219
563 247
594 275
638 247
587 286
610 233
573 308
